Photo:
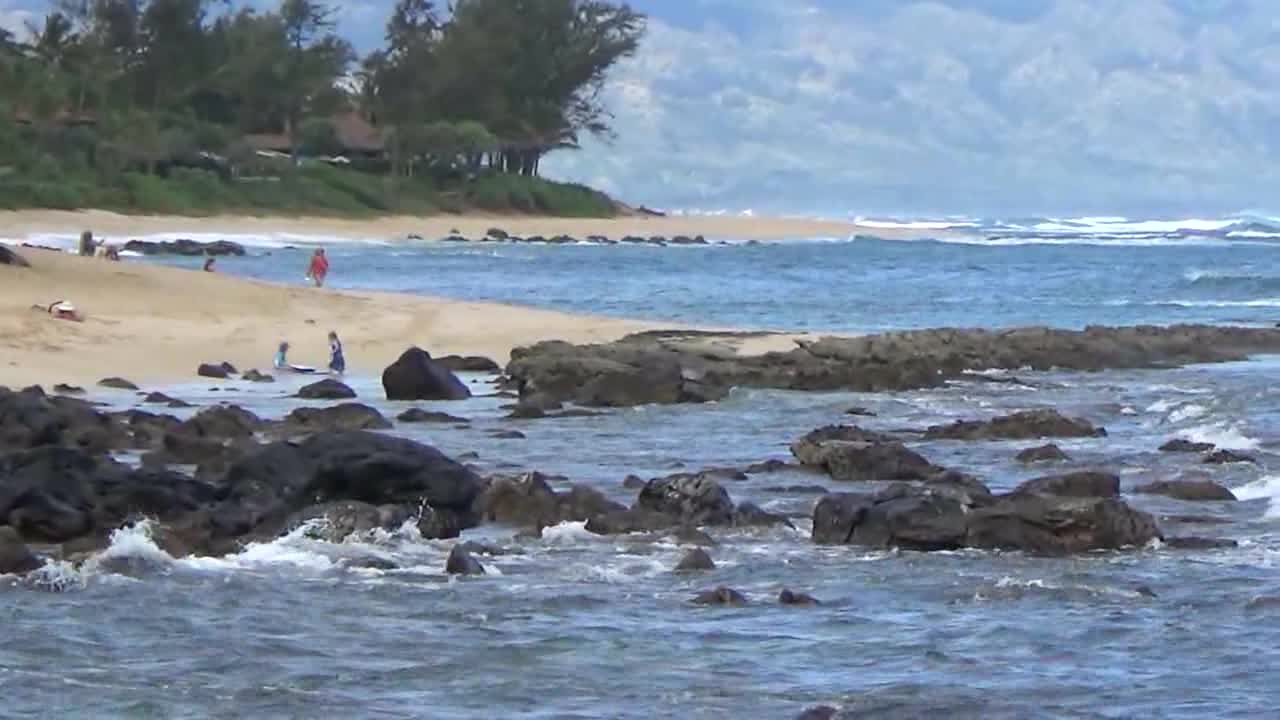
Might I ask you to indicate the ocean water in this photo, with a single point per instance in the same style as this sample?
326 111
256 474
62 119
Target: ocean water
577 626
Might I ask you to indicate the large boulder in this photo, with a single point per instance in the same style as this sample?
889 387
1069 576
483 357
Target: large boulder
415 376
1026 425
923 518
281 478
469 363
852 454
1191 490
222 422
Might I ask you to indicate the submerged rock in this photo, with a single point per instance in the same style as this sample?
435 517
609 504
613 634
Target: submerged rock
720 596
1228 457
461 562
348 416
116 383
1178 445
252 375
416 376
327 389
696 560
1026 425
788 597
418 415
1191 490
1042 454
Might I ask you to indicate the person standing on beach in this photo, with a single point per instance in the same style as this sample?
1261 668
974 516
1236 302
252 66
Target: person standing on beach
87 246
318 268
337 363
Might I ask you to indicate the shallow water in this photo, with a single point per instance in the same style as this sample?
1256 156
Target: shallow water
577 626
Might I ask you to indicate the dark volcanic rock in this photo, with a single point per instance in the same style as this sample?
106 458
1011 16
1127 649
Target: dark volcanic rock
116 383
1019 426
1228 457
787 597
15 557
461 562
158 398
1044 453
348 416
696 560
31 419
658 368
1076 484
691 499
923 518
11 258
507 435
64 389
224 422
471 363
852 454
210 370
252 375
1192 490
418 415
1199 543
336 521
720 596
1178 445
327 389
415 376
529 501
185 247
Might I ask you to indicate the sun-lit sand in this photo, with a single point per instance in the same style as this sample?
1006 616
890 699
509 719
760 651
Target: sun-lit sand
154 324
24 222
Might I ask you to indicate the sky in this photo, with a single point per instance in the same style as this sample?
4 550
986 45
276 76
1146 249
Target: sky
932 107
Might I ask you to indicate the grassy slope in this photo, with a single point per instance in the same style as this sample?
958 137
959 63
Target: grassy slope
316 190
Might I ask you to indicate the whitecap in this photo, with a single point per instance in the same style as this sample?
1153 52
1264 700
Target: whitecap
1222 435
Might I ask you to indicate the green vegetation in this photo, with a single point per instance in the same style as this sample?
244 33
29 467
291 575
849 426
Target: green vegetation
183 106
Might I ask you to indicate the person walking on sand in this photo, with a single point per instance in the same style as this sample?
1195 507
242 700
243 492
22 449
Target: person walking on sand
318 268
337 363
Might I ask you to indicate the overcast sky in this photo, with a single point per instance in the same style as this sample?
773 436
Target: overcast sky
937 106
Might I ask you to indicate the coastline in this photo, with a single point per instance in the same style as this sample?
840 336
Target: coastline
157 324
19 223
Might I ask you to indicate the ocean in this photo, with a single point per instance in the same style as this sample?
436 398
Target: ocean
573 625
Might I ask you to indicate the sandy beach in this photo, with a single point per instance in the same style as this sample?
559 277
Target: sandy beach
25 222
154 324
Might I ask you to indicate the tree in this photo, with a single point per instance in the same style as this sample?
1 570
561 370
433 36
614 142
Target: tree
316 58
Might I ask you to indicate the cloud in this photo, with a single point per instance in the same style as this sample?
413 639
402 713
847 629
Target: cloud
949 106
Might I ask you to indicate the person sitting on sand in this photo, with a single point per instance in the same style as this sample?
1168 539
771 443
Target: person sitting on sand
337 363
318 268
61 309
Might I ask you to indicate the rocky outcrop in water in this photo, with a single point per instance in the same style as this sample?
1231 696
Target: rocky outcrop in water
1076 484
30 419
1042 454
15 557
1028 425
850 454
347 416
470 363
327 389
1190 490
931 518
185 247
416 376
665 367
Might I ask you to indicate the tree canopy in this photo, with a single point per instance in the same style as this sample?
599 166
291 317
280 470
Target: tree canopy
461 87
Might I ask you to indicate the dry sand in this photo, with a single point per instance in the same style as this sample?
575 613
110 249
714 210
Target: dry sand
154 324
23 222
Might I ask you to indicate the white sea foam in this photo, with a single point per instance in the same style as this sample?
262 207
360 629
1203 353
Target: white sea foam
568 533
1264 488
132 551
1187 412
1222 435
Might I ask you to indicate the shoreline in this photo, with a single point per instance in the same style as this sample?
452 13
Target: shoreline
156 324
103 223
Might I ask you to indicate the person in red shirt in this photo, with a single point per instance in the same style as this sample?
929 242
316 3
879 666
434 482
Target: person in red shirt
319 267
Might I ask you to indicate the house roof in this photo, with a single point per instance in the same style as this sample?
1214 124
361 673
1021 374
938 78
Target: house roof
353 132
